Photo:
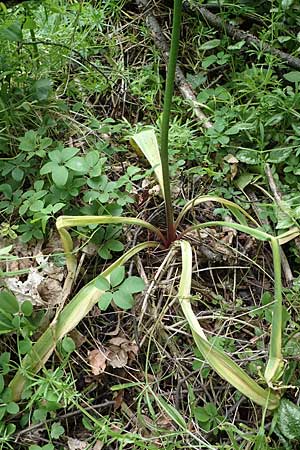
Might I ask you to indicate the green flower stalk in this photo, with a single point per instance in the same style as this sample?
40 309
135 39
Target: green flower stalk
164 142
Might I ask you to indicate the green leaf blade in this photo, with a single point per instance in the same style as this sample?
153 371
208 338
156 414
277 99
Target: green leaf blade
117 276
60 175
123 299
133 285
218 360
8 303
146 142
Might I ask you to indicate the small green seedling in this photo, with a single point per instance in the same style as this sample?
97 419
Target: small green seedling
208 417
62 160
119 289
44 447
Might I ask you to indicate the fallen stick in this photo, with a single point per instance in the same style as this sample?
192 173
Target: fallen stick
181 82
249 38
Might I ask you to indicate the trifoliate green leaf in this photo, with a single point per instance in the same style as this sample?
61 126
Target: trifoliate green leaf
133 285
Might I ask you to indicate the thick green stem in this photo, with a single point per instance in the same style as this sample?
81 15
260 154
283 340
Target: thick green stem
166 118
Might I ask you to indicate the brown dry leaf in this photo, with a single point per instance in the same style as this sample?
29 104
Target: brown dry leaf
99 445
76 444
98 360
155 190
50 291
233 171
119 399
117 357
230 233
118 341
24 253
231 159
165 422
125 344
120 351
77 337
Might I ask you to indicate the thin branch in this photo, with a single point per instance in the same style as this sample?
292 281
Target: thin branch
249 38
277 194
180 79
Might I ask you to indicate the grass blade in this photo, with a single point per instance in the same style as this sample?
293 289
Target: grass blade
218 360
67 320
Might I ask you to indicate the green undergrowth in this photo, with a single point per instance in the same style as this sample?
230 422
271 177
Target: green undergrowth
77 79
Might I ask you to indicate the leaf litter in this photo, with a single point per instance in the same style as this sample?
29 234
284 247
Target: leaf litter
117 354
43 282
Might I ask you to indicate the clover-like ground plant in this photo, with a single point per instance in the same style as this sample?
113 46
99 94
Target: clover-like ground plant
89 295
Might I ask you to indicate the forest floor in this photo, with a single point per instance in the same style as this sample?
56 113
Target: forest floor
77 80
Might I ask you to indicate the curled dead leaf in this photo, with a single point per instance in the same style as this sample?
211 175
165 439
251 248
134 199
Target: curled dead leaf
125 344
117 357
120 351
98 360
99 445
76 444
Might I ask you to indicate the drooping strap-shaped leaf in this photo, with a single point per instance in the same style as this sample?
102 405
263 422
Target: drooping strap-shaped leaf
218 360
